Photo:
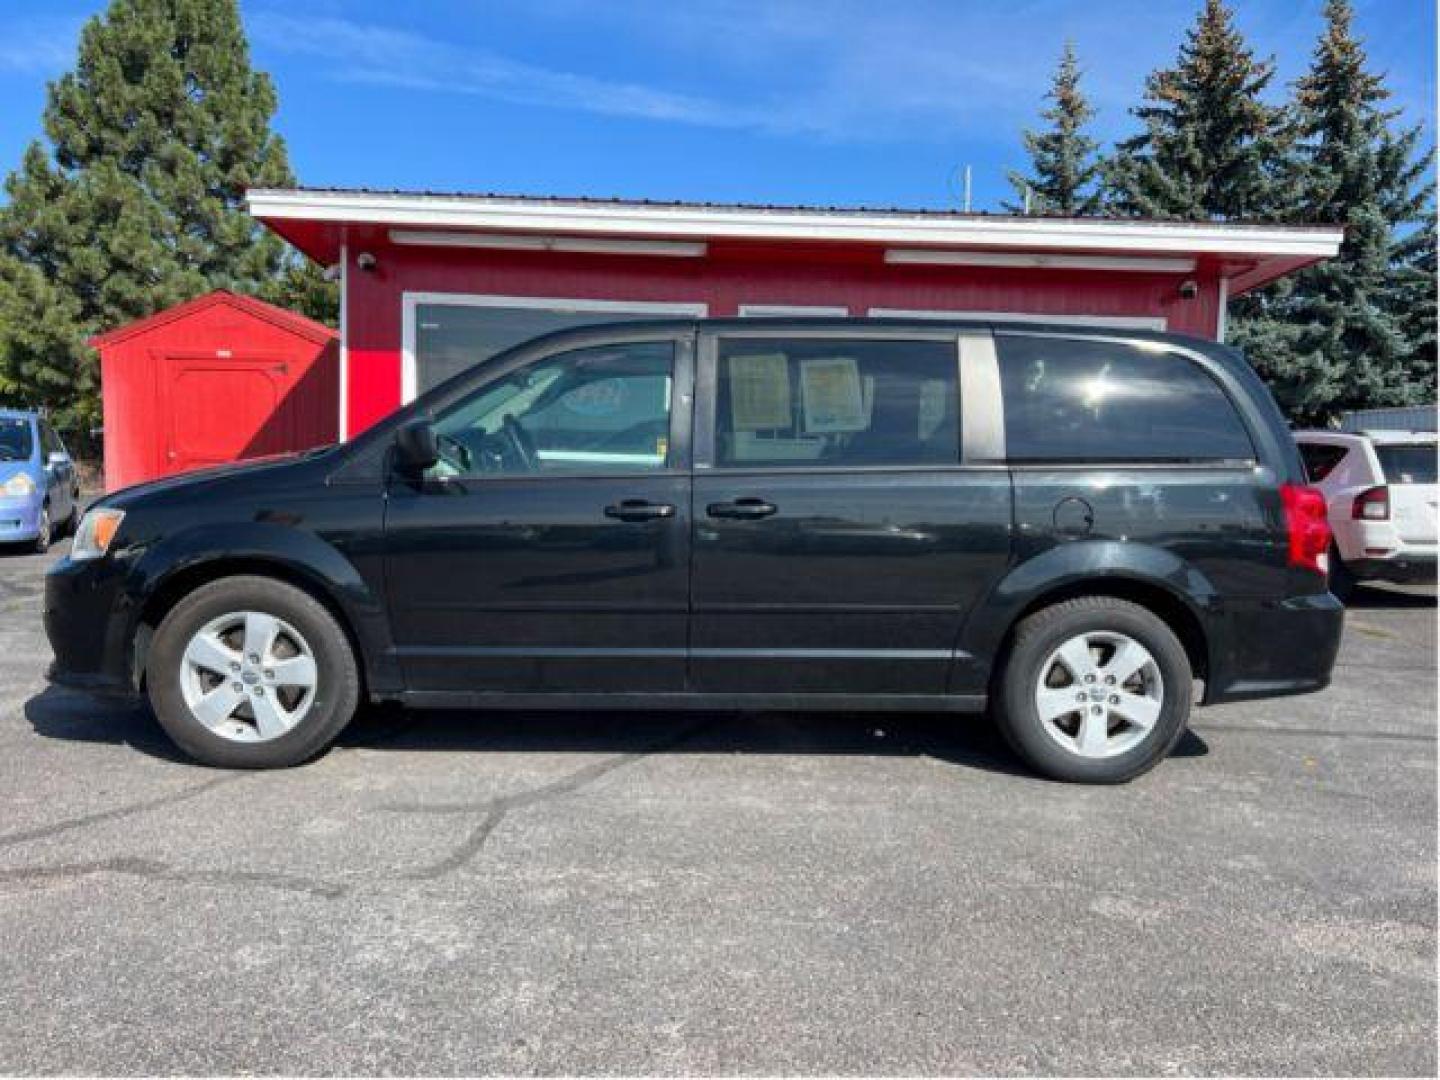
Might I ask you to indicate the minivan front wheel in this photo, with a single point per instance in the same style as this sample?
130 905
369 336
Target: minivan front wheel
1095 690
250 672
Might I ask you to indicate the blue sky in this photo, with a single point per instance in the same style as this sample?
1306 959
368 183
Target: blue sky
826 101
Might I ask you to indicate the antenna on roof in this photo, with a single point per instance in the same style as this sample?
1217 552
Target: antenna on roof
959 185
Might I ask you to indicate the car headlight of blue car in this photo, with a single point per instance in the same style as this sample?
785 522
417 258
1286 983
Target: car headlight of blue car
20 486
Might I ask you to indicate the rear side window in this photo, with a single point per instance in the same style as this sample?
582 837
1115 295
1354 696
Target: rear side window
1072 399
1407 464
1321 459
836 402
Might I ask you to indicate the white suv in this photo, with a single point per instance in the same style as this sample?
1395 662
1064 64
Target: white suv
1380 488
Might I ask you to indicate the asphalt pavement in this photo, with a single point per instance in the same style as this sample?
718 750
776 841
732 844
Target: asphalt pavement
625 893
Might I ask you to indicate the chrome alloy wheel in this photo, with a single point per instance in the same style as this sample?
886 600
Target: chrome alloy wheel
248 676
1099 694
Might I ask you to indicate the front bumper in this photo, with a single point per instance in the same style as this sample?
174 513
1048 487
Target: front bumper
19 520
90 622
1274 647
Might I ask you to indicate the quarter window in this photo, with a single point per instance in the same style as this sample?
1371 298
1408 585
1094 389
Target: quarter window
1321 459
836 402
592 411
1072 399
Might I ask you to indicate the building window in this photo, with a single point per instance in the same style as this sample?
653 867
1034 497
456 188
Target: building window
446 334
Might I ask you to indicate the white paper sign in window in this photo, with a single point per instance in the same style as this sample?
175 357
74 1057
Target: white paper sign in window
832 395
759 392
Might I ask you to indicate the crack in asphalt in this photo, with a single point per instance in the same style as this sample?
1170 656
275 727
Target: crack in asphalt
495 809
464 852
41 832
160 871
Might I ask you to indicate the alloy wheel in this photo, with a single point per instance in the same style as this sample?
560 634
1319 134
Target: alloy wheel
248 676
1099 694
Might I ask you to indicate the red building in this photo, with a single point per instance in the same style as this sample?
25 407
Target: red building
217 379
434 283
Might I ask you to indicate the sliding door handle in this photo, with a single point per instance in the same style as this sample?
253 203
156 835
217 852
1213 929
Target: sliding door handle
747 509
639 510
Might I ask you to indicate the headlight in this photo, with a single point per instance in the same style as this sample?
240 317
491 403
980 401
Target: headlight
19 486
97 529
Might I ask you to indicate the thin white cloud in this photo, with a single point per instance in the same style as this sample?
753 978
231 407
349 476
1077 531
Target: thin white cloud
839 70
386 56
38 46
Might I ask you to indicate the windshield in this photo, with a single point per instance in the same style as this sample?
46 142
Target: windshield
16 441
1408 464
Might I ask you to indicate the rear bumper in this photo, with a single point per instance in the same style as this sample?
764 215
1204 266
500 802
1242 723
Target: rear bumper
1273 648
1401 567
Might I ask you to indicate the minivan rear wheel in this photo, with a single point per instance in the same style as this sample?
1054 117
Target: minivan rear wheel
250 672
1095 690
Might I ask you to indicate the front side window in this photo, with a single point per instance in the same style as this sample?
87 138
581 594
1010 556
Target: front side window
592 411
1078 400
16 441
836 402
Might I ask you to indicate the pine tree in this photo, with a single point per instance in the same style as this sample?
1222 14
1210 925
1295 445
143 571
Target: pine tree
1208 139
134 201
1062 157
1358 330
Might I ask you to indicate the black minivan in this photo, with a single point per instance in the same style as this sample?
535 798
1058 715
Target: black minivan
1070 526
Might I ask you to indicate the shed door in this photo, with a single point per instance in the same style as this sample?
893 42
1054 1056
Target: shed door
222 410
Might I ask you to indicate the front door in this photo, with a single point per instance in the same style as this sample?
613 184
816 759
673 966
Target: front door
549 549
839 541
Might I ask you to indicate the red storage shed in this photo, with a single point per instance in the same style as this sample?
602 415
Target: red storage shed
432 283
219 378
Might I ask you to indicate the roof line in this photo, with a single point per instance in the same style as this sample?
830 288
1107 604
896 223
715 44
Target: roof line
288 320
715 221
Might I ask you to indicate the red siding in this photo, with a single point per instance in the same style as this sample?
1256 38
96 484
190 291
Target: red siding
218 379
728 276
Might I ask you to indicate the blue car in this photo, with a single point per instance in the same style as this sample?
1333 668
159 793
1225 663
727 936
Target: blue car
39 490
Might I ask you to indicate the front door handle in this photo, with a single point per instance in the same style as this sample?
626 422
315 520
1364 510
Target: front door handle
745 509
639 510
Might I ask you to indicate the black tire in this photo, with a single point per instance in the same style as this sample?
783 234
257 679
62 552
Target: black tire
1035 640
46 535
337 683
1342 580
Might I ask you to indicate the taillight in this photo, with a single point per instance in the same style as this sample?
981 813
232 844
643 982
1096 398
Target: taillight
1372 504
1308 527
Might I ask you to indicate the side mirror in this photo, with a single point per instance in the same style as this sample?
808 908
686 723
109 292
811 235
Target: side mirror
58 457
415 446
